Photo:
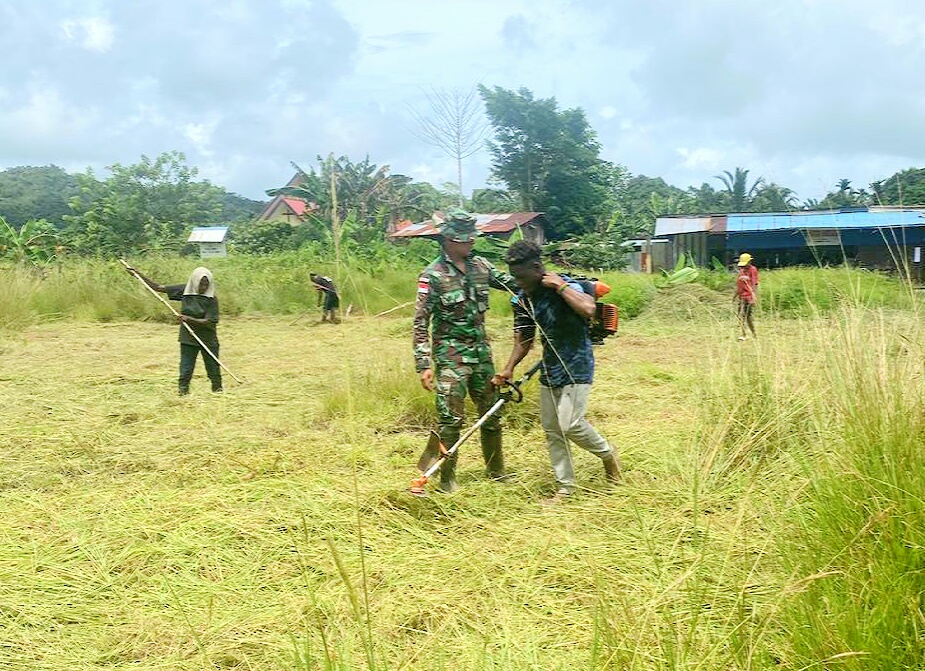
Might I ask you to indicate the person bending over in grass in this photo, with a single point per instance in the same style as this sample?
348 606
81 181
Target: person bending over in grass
562 309
326 289
199 310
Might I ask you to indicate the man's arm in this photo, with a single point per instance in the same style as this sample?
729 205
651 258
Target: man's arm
522 347
572 294
423 308
524 333
498 279
151 283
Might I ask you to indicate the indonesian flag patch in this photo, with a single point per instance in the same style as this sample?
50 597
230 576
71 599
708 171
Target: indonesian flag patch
423 285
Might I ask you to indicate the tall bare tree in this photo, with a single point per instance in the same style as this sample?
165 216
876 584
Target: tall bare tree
455 125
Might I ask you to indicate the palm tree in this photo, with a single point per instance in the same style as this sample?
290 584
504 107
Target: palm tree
739 194
775 198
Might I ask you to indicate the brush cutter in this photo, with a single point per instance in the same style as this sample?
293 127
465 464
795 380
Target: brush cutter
436 453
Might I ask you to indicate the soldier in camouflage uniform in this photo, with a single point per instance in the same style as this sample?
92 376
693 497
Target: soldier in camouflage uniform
453 296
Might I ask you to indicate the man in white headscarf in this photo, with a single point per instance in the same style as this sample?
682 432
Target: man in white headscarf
199 309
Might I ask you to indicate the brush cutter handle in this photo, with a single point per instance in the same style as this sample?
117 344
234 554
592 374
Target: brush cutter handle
513 392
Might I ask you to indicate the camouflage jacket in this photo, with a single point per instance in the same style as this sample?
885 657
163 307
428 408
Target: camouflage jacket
456 303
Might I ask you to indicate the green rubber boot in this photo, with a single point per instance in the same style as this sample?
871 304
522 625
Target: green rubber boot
448 483
491 452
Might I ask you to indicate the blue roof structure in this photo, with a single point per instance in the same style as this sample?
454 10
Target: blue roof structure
859 226
832 219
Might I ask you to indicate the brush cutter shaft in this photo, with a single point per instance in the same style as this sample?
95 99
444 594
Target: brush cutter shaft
177 314
463 438
505 397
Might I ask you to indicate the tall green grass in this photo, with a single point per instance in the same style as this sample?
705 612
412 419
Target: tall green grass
858 535
94 290
801 292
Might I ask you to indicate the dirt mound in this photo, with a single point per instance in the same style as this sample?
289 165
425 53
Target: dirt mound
689 301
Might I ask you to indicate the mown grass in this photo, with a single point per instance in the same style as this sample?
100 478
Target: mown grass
771 518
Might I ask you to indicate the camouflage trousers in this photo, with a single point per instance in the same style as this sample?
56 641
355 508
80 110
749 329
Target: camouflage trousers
454 381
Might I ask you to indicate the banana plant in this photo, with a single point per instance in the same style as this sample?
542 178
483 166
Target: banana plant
684 272
35 243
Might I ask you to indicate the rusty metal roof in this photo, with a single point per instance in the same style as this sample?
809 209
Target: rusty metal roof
485 224
297 205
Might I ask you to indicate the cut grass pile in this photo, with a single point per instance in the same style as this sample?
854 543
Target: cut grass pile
270 527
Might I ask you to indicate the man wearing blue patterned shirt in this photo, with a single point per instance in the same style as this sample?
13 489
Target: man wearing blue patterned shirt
561 308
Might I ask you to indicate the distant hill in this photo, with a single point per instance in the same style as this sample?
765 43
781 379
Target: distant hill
239 208
29 192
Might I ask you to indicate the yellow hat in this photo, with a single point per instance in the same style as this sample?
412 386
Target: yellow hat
744 259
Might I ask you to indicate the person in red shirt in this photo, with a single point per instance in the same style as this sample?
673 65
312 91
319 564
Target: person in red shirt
746 258
746 291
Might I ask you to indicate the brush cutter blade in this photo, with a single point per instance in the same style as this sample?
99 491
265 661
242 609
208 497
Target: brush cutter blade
432 453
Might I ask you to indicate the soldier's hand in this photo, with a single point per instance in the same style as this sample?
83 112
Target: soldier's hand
427 379
501 378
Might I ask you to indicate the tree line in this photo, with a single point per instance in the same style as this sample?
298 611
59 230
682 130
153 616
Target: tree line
543 159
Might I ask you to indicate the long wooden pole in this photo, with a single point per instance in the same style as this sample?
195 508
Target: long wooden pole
177 315
397 307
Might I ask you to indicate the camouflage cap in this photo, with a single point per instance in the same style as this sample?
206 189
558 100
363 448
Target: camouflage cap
458 226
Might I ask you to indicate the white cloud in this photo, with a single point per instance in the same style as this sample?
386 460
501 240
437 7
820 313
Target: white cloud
200 134
798 91
94 33
701 158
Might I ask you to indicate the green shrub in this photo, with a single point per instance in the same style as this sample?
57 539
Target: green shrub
630 292
717 279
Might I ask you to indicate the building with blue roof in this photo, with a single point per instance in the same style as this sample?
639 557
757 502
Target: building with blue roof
873 237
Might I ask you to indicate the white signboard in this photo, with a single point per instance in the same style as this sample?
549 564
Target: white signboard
209 250
916 255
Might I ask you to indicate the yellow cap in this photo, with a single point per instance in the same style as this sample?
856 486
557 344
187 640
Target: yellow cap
744 259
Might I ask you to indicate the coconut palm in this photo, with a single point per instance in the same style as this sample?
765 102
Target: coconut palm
775 198
738 193
352 195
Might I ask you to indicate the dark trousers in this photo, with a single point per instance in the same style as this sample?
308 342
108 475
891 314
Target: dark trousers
188 355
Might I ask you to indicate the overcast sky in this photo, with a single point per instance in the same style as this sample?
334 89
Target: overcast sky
802 92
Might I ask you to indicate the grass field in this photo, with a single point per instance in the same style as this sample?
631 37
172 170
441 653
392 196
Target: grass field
772 515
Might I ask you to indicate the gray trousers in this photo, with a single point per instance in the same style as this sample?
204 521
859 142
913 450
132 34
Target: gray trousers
562 414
